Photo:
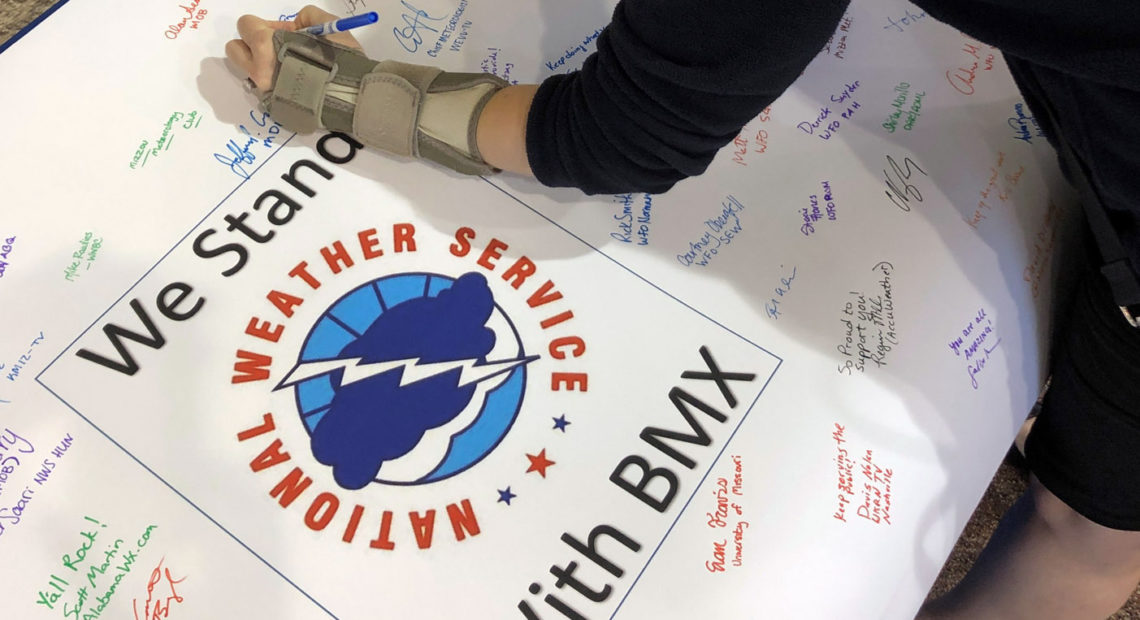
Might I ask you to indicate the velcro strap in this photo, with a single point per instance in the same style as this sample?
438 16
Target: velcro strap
388 108
386 113
298 94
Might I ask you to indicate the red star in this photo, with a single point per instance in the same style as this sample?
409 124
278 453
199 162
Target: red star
539 463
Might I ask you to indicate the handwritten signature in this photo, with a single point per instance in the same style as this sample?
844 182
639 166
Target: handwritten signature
352 5
1020 124
772 306
908 190
239 155
412 24
4 251
194 16
154 609
962 77
721 231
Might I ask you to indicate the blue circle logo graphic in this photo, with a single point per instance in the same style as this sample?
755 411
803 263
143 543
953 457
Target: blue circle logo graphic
409 379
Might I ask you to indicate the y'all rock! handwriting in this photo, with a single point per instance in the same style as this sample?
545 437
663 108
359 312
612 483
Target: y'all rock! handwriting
94 573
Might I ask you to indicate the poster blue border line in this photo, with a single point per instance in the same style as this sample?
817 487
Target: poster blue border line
131 454
712 464
32 24
696 488
747 412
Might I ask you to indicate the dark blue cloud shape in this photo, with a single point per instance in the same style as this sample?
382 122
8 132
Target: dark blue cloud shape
374 420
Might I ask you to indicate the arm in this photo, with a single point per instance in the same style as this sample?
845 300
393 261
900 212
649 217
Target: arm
502 129
671 82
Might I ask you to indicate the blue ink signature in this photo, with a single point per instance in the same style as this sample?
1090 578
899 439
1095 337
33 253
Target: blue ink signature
772 306
721 231
412 22
241 154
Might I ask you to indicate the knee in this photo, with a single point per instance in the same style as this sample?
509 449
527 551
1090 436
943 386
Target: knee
1106 547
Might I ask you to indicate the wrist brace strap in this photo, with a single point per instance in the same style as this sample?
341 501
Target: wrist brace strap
410 110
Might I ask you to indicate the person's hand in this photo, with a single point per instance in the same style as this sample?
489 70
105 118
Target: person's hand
253 52
329 83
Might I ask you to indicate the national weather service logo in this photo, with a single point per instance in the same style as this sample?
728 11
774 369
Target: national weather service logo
407 380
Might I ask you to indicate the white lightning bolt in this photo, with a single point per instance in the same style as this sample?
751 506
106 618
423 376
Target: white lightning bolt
413 371
471 370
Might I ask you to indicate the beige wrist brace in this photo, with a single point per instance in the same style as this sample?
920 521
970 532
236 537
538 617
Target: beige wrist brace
410 110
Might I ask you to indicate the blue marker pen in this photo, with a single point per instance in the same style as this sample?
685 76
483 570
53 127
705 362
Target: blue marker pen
340 25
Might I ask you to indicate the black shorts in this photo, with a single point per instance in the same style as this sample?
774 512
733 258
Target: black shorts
1085 444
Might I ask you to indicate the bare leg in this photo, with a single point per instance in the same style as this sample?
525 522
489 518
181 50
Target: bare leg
1045 561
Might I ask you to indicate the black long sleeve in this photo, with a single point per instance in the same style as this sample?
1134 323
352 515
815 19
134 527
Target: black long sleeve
1082 61
672 82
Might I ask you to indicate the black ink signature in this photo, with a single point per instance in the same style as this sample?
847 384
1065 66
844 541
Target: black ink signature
908 190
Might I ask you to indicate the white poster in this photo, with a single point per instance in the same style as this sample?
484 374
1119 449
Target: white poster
253 374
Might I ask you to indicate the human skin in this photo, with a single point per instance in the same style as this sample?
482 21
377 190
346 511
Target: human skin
501 130
1045 562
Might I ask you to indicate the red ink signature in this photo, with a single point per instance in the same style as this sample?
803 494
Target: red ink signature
154 609
962 77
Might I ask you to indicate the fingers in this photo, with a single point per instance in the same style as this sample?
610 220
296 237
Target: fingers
290 26
254 52
238 53
312 16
